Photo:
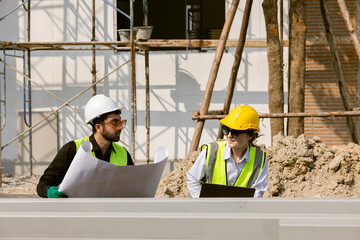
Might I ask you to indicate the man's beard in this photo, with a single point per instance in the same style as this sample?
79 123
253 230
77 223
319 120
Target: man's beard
111 137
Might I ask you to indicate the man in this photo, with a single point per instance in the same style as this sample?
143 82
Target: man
103 114
235 162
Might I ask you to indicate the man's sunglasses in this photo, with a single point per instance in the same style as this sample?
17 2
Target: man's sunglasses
226 130
116 123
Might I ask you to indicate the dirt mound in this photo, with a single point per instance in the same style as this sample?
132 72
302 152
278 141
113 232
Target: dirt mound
19 187
298 167
173 185
306 167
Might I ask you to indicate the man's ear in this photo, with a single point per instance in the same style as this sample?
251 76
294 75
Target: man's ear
98 127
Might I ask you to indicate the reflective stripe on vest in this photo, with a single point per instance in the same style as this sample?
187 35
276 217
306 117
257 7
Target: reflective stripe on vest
119 157
216 166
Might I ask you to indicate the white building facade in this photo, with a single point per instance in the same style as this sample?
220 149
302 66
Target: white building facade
178 80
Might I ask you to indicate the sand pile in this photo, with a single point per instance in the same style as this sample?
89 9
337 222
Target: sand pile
24 186
173 185
306 167
301 167
298 167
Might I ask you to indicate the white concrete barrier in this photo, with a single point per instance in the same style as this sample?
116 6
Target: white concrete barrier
283 219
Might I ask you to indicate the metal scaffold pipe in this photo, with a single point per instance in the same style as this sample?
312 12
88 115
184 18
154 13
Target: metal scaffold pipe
65 104
39 86
2 18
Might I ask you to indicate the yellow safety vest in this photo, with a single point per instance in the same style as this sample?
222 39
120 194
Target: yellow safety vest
216 166
119 157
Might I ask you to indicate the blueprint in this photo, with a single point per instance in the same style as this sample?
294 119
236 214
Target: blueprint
89 177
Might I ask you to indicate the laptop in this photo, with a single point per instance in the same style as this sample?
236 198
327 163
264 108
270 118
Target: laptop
217 190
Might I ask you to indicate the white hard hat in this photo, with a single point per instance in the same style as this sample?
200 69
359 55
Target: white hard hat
99 105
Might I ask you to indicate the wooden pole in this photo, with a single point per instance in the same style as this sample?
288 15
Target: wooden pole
337 66
286 115
275 63
1 129
147 88
297 52
0 153
349 25
29 89
133 82
213 74
236 63
147 118
160 43
93 66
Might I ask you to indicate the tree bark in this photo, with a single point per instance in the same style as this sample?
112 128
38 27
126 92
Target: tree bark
275 63
297 65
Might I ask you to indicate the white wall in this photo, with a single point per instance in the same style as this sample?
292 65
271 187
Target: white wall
177 78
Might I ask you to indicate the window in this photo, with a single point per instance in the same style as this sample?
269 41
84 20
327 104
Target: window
177 19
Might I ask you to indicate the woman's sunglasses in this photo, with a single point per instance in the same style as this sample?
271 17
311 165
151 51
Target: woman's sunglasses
226 130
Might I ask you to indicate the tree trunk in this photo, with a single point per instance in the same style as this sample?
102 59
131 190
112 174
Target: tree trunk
275 62
297 65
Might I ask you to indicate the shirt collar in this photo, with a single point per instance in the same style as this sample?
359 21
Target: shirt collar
96 146
227 153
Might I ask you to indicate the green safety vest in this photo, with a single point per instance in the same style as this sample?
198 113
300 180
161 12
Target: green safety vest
216 166
119 157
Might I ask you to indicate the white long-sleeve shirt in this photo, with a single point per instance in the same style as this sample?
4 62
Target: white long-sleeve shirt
198 170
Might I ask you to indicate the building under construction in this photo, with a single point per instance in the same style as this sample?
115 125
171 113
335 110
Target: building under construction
295 61
56 54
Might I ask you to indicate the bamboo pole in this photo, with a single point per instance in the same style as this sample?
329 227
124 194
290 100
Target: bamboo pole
29 86
1 133
236 64
350 26
147 87
1 167
147 102
133 82
210 112
337 66
287 115
213 74
162 43
93 65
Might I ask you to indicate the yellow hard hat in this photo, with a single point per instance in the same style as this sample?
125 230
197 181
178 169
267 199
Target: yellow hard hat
241 118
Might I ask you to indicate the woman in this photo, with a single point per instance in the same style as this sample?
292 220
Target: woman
235 162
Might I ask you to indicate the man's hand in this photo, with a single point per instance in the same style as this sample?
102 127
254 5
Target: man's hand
53 192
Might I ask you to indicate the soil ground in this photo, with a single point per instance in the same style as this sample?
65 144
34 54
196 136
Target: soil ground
301 167
298 167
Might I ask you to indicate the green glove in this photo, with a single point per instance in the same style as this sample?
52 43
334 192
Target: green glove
53 192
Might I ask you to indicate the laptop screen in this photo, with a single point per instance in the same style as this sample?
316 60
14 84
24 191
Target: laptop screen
217 190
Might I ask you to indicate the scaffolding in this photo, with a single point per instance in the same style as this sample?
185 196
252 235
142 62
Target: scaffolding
135 46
